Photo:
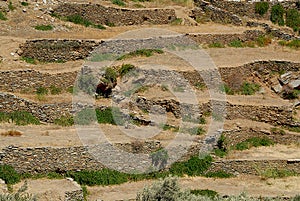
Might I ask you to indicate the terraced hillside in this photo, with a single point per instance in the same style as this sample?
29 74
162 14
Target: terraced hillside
99 98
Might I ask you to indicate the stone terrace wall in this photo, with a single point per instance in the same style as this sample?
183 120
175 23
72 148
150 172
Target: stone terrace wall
253 166
57 50
29 80
99 14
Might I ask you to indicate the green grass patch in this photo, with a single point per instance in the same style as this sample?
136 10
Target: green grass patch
64 121
44 27
263 40
261 8
166 127
236 44
205 192
226 89
176 21
253 142
24 3
2 16
110 115
98 26
194 130
29 60
55 90
118 2
77 19
293 128
11 7
277 173
9 175
249 88
141 53
216 45
41 91
19 118
126 68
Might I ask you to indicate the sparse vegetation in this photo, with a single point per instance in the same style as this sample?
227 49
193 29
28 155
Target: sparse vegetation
176 21
20 195
216 45
110 115
249 88
205 193
41 91
78 19
19 118
221 149
126 68
276 173
55 90
29 60
24 3
118 2
11 7
236 44
9 174
277 13
64 121
295 44
2 16
141 53
253 142
44 27
12 133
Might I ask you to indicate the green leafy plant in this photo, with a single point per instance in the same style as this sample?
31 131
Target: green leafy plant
29 60
77 19
55 90
41 91
277 12
118 2
253 142
2 16
142 53
216 45
205 192
176 21
110 115
225 88
64 121
236 44
263 40
249 88
261 7
9 174
44 27
126 68
293 19
11 7
221 149
24 3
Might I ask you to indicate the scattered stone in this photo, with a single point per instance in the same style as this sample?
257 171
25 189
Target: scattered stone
285 78
277 88
295 84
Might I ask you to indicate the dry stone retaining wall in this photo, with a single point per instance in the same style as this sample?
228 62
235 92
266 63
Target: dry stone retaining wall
99 14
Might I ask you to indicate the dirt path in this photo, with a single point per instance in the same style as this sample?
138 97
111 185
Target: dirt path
252 185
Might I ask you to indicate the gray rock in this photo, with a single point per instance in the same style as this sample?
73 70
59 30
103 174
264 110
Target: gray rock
295 84
277 88
285 78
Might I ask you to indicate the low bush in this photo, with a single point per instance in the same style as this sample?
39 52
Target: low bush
263 40
253 142
20 195
277 173
29 60
24 3
11 7
44 27
77 19
277 14
293 19
126 68
19 118
9 174
41 91
249 88
12 133
110 115
216 45
55 90
64 121
118 2
261 7
236 44
2 16
205 192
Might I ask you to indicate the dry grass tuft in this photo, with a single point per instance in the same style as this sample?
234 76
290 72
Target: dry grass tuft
12 133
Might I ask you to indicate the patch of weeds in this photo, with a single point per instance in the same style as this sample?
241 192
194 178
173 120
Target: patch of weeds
103 57
216 45
164 87
110 24
126 68
275 130
118 2
142 53
261 8
169 127
11 7
293 128
44 27
179 89
24 3
70 89
221 151
98 26
294 44
84 192
110 115
64 121
219 174
205 192
176 21
194 130
277 14
77 19
23 118
2 16
277 173
29 60
226 89
249 88
200 86
9 174
41 91
253 142
263 41
236 44
55 90
142 89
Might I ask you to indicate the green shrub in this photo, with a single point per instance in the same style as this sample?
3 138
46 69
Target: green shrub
23 118
20 195
221 151
110 115
41 91
110 75
55 90
142 53
64 121
29 60
294 44
293 19
44 27
2 16
9 175
253 142
195 166
261 8
277 13
219 174
263 41
160 158
236 44
277 173
23 3
195 131
225 88
77 19
99 26
249 88
118 2
102 177
216 45
126 68
70 89
176 21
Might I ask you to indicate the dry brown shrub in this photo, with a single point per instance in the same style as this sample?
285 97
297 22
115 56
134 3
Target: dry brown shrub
12 133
